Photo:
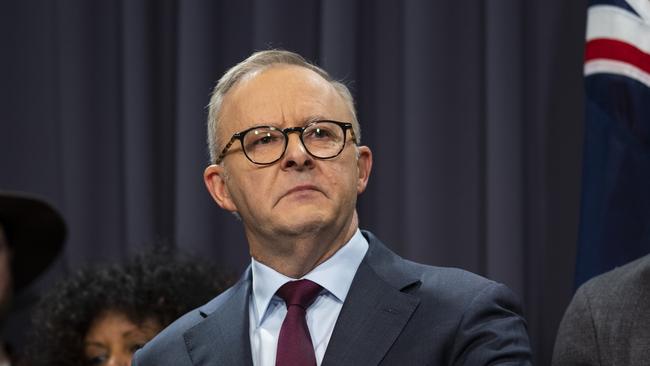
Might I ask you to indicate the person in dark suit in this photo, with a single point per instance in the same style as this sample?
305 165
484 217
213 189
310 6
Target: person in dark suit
607 322
287 160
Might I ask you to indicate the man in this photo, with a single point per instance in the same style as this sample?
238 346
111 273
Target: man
607 322
31 235
284 142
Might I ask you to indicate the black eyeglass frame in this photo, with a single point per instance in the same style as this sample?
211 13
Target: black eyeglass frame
345 126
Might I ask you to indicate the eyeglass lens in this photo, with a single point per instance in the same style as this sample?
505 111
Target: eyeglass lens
266 144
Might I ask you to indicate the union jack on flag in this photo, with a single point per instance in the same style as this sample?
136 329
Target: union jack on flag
615 204
618 39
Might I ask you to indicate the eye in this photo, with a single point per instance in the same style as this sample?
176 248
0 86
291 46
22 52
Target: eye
319 133
96 361
264 139
258 139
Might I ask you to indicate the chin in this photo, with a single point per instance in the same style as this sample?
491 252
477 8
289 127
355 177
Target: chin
305 224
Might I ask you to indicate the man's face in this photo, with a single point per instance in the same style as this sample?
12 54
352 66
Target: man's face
299 194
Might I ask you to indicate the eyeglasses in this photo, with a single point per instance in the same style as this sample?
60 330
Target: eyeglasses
265 145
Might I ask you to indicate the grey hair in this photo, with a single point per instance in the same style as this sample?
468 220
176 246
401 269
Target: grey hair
257 62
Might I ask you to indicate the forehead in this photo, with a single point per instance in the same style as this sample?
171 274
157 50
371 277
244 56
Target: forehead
282 95
112 322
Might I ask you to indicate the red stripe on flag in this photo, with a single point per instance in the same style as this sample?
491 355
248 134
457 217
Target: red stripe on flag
602 48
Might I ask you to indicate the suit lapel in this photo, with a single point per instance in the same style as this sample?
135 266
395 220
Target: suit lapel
223 337
374 313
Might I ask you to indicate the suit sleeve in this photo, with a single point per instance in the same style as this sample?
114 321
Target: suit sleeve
576 338
492 330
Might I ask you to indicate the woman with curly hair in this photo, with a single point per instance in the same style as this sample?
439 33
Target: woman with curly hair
102 316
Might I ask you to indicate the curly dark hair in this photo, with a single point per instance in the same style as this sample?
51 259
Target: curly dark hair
152 286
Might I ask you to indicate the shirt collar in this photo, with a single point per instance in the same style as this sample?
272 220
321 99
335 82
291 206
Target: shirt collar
335 274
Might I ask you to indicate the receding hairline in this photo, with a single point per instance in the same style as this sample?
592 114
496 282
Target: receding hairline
315 79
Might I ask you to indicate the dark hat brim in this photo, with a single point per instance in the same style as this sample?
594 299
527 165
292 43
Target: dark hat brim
35 232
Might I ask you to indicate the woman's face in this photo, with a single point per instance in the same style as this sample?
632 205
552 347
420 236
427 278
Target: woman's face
112 339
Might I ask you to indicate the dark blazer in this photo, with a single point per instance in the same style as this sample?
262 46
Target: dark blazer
396 313
608 320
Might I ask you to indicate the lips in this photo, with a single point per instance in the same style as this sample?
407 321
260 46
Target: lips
301 188
297 189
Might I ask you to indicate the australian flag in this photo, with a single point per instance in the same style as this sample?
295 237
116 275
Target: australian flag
615 207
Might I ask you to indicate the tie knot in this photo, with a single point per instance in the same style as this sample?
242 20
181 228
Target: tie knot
301 293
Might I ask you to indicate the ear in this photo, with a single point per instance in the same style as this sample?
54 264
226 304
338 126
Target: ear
364 166
214 177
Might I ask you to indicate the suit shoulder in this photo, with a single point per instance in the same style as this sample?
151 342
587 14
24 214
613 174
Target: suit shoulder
480 318
449 281
168 347
443 285
614 289
602 309
630 273
452 291
605 313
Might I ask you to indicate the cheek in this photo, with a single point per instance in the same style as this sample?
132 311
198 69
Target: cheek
251 188
343 181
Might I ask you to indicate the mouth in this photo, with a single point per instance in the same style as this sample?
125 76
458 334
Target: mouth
301 189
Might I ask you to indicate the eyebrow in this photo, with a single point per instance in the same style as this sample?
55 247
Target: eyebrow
305 121
135 332
142 329
95 344
314 118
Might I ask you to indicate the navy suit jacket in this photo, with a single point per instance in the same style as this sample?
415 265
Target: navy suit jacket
397 312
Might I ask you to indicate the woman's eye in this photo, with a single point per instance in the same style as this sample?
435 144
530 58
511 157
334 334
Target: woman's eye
97 360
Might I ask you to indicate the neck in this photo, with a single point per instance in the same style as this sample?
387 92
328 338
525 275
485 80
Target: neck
301 253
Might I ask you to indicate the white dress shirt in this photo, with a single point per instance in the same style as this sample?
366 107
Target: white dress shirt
266 310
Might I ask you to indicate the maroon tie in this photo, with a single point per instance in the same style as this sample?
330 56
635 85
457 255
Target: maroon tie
294 344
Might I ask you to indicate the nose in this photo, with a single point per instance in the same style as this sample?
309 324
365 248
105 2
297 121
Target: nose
296 156
119 360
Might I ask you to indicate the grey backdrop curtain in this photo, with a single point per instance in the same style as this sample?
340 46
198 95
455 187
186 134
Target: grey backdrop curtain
473 110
